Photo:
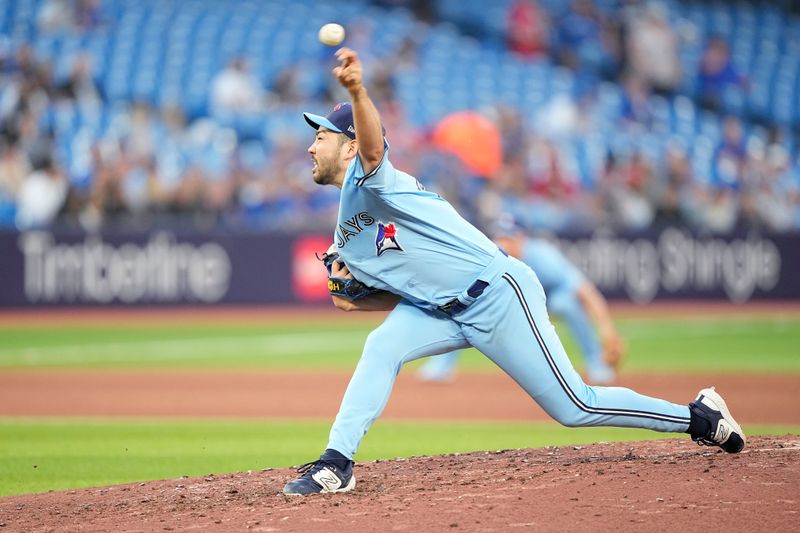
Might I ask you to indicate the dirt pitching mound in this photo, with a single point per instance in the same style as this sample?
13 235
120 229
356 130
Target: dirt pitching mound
643 486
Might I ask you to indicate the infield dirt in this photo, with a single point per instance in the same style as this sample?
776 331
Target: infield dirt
641 486
670 485
754 398
665 485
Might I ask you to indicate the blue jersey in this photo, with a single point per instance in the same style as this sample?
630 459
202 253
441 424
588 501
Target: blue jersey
394 235
555 272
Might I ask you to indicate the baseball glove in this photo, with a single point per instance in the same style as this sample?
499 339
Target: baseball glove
349 288
328 258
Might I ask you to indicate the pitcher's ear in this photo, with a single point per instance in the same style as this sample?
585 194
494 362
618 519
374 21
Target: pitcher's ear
352 148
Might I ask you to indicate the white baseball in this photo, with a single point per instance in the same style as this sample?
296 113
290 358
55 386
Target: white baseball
331 34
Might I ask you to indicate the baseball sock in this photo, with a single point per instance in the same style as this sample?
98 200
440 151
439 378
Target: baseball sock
335 458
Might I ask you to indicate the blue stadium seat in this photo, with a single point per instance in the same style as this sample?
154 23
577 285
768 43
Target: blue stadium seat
169 51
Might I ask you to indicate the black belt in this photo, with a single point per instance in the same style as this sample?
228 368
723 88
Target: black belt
455 306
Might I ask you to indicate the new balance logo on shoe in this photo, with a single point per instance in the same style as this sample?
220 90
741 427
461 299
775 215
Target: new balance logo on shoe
327 479
722 432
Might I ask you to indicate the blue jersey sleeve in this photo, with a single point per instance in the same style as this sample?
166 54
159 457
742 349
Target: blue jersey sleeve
381 177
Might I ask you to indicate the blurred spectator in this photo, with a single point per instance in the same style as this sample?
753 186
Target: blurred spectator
628 186
287 86
512 133
171 159
29 84
87 14
41 195
730 156
548 177
382 89
717 73
136 185
56 16
528 29
584 42
407 141
80 86
653 50
233 163
560 117
674 194
216 165
718 209
551 196
579 27
635 106
14 167
284 198
139 133
105 194
720 198
5 55
235 90
773 184
207 185
407 56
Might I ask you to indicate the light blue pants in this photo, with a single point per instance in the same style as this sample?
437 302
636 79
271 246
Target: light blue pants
509 324
562 302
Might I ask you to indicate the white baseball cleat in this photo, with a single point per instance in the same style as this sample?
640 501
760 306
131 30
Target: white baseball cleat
721 429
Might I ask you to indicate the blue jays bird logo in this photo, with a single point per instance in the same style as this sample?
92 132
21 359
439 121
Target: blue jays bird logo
387 238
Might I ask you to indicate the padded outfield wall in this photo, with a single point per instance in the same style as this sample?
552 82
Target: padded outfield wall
44 268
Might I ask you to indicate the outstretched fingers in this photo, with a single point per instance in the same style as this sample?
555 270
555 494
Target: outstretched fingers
346 55
348 72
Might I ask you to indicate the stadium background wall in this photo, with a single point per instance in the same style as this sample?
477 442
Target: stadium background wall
43 268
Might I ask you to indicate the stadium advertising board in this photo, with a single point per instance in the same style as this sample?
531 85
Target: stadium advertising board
674 263
42 268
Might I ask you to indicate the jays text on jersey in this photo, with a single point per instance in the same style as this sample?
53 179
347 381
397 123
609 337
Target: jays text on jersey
394 235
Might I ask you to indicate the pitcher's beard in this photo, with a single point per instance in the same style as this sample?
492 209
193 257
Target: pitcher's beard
324 174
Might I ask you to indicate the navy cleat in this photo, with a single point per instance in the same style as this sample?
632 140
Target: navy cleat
323 475
712 424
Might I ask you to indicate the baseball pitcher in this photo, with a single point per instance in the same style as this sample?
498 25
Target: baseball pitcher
449 287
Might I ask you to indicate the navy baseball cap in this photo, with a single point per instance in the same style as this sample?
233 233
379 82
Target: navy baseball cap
340 120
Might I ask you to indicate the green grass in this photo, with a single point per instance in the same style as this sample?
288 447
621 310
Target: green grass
37 455
48 454
269 345
718 344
